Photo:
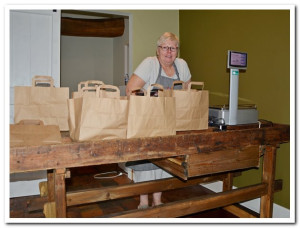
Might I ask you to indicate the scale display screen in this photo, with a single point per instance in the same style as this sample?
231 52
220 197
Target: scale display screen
237 60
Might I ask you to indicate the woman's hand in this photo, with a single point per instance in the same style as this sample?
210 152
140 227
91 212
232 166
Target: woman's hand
186 84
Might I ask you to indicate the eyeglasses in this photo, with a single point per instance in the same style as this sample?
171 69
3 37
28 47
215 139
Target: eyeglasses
166 48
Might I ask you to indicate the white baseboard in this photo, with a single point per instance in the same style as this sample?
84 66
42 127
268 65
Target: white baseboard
254 205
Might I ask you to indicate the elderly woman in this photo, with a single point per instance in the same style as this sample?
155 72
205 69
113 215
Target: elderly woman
164 69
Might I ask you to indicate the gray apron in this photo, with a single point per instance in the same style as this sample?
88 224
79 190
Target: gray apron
167 83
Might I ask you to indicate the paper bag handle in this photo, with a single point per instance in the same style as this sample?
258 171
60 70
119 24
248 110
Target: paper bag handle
154 85
84 89
104 87
137 88
30 122
86 84
42 79
195 83
177 82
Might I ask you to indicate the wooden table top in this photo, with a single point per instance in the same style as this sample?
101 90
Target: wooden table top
77 154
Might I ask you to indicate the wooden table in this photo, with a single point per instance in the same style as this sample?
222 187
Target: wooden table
209 155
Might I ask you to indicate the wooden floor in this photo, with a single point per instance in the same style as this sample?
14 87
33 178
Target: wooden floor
32 206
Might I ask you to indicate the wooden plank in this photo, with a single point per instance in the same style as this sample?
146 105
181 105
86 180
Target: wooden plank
222 156
43 186
196 204
115 192
239 212
60 193
222 161
174 168
228 182
50 187
268 177
111 27
242 212
204 169
114 151
36 203
49 210
176 160
211 162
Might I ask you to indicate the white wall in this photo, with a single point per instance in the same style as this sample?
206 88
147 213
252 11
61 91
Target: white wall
86 58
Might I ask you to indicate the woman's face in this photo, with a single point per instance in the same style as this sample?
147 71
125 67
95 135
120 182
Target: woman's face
167 52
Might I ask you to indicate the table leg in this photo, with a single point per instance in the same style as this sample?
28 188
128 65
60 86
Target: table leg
60 193
228 182
268 177
50 184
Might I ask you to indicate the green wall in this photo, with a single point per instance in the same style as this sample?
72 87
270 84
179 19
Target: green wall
206 35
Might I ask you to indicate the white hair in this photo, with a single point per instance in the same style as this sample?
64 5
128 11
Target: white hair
167 36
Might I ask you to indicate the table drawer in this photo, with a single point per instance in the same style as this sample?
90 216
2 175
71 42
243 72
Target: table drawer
211 162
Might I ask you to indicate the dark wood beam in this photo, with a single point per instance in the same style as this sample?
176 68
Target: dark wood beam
196 204
112 27
127 190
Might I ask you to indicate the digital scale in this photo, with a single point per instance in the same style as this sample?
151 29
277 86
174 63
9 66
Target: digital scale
234 114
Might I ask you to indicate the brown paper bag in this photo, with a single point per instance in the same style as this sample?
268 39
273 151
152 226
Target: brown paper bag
191 108
71 117
48 104
33 133
85 88
89 88
151 116
103 116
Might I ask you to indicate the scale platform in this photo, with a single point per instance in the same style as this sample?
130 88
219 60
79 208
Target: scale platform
246 114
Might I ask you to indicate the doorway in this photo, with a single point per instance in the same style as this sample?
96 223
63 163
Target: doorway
107 59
